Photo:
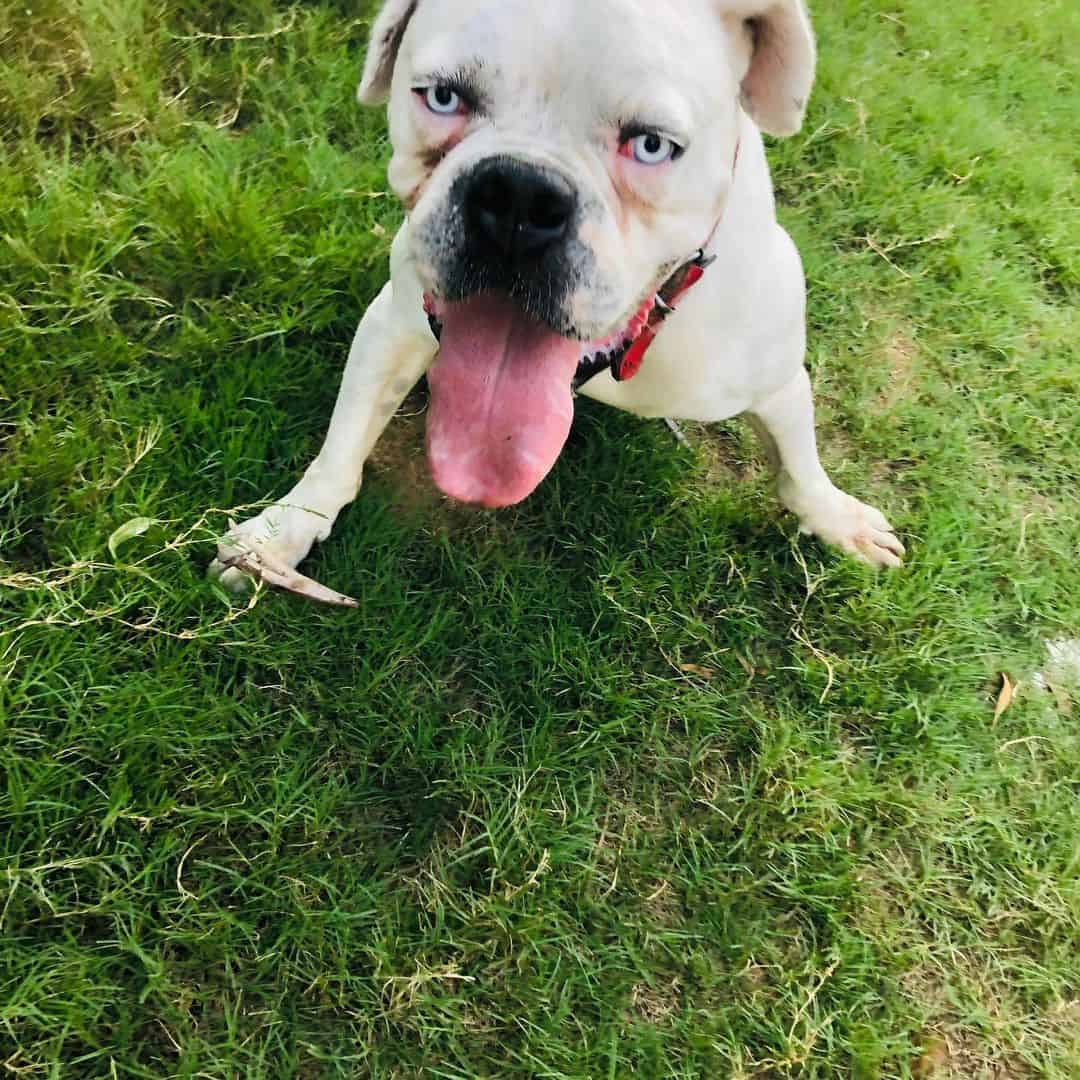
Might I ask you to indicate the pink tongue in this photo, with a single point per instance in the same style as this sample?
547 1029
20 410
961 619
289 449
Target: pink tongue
501 404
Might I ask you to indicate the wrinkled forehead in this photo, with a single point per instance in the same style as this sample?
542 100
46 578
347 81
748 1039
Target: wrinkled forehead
586 57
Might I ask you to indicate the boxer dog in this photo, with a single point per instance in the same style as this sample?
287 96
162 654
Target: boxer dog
589 210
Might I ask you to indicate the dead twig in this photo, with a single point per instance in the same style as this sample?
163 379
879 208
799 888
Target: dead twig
205 35
262 565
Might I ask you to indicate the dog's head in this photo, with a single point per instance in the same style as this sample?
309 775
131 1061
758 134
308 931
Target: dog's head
559 159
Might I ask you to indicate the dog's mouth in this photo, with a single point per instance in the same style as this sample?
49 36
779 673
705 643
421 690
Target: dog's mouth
502 397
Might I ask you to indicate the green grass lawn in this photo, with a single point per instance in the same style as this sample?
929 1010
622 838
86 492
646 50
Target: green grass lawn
490 824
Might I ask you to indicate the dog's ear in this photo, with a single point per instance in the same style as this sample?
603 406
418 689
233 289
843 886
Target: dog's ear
777 84
386 34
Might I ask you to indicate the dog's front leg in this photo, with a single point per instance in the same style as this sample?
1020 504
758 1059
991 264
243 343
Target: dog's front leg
391 350
785 422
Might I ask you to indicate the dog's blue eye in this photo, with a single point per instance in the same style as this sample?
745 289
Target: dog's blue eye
652 149
442 100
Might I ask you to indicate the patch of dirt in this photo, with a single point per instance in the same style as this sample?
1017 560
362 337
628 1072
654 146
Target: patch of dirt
663 905
721 448
953 1048
398 457
901 354
399 462
887 473
625 823
1064 1021
939 983
933 1060
834 442
655 1004
880 910
960 1055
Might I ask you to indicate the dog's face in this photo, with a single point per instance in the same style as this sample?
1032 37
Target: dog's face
559 160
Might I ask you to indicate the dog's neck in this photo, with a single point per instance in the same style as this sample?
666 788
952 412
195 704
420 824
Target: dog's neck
626 365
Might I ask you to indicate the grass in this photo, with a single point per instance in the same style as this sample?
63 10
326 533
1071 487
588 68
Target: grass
488 825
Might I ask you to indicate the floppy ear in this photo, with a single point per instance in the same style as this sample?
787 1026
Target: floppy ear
777 84
386 34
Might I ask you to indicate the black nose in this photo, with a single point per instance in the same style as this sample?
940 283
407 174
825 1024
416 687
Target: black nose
517 211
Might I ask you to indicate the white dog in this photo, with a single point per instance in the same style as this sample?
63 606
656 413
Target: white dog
589 208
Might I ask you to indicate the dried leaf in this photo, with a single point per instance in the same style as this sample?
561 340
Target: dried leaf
128 531
697 669
1005 696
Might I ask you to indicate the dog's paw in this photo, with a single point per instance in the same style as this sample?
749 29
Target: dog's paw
269 547
858 529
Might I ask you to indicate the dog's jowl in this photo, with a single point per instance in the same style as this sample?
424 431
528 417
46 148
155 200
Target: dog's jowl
589 210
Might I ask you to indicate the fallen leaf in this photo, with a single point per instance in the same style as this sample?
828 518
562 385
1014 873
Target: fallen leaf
697 669
128 531
1005 696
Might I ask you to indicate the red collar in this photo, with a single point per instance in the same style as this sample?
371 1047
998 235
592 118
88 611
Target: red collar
625 364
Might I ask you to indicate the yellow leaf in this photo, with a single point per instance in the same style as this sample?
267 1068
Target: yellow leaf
697 669
128 531
1005 695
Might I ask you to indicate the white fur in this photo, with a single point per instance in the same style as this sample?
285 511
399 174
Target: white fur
735 345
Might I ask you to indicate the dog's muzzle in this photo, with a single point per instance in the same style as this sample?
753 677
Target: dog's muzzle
515 213
510 227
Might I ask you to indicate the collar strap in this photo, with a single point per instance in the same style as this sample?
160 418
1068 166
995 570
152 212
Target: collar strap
673 290
625 362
